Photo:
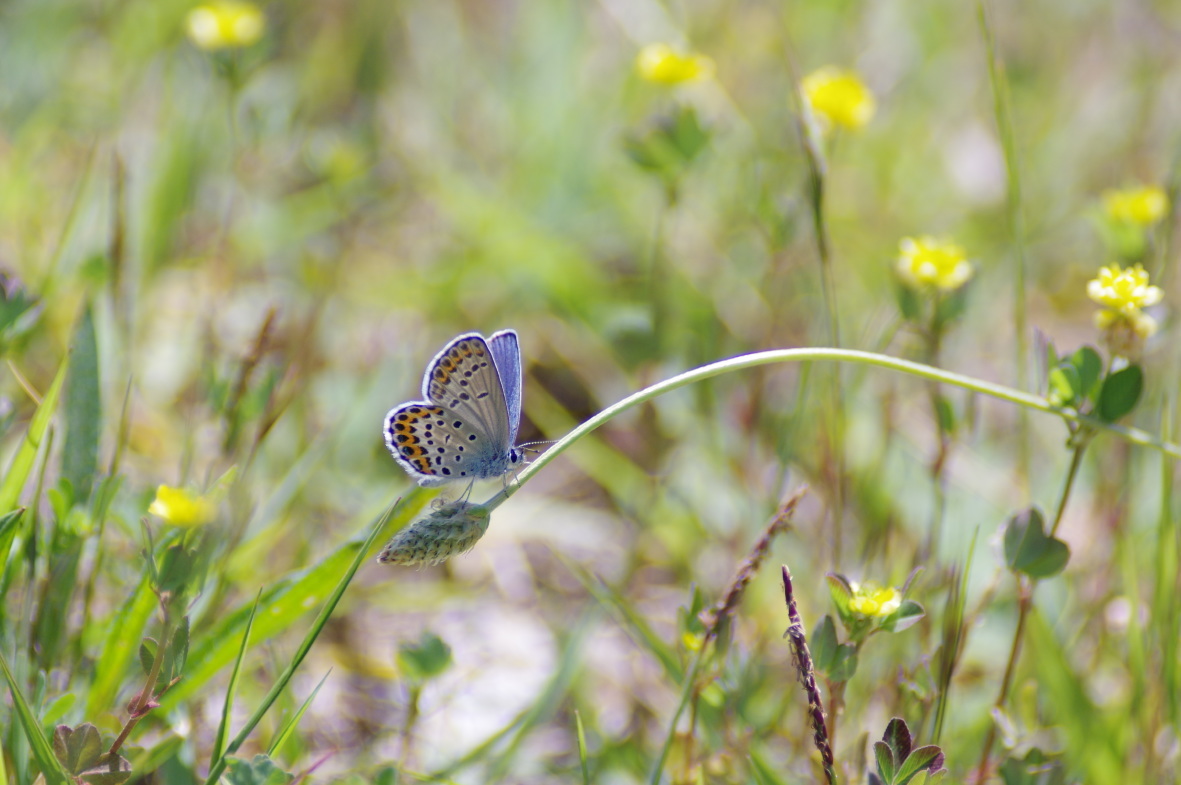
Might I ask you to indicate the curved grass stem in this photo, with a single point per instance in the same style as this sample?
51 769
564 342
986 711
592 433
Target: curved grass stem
1025 400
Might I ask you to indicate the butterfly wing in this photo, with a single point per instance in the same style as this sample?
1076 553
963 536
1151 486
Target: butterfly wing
463 379
506 352
435 445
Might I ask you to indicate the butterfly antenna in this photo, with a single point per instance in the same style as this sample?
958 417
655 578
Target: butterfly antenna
532 446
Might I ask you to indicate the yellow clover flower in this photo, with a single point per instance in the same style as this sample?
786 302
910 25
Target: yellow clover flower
926 262
838 97
873 601
182 508
662 64
225 24
1123 293
1141 207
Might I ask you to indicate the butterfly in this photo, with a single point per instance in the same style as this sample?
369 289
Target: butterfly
466 425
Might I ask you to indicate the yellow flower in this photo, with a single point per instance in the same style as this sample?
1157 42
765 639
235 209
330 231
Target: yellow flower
662 64
873 601
1123 290
1123 293
838 97
926 262
182 508
1143 206
225 24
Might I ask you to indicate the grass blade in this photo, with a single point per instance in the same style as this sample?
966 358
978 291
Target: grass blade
231 688
22 463
317 626
50 767
83 410
293 721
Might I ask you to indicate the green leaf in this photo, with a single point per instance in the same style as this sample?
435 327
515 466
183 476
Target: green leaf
951 306
8 523
1120 393
124 629
928 759
1064 385
77 749
147 654
43 754
83 410
14 303
1088 365
823 644
58 708
669 145
945 414
844 664
582 754
1036 768
909 303
1029 550
176 567
897 735
841 592
426 659
884 758
908 613
22 463
261 770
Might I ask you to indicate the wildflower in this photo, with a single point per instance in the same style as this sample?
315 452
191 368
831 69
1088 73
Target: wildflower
182 508
225 24
662 64
1123 293
838 98
872 601
1140 207
926 262
450 530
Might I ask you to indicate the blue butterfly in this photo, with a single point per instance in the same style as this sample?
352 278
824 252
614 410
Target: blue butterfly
466 425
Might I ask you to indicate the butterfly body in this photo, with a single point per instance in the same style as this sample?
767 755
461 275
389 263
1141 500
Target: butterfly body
466 425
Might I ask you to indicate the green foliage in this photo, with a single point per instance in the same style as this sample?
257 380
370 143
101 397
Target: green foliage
81 752
1030 549
259 770
898 762
426 659
1120 393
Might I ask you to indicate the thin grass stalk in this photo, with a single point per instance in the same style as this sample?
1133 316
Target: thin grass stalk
1004 121
817 173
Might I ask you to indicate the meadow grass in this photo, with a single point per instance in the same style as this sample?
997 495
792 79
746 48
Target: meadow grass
815 338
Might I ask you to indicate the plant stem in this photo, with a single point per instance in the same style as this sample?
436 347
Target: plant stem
1025 587
756 359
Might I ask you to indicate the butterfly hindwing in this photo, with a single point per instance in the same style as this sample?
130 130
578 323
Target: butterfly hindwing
436 445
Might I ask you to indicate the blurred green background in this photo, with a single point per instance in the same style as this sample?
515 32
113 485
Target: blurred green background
274 240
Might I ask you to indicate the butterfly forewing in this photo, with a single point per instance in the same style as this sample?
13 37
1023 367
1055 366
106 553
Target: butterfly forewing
463 379
506 351
436 445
